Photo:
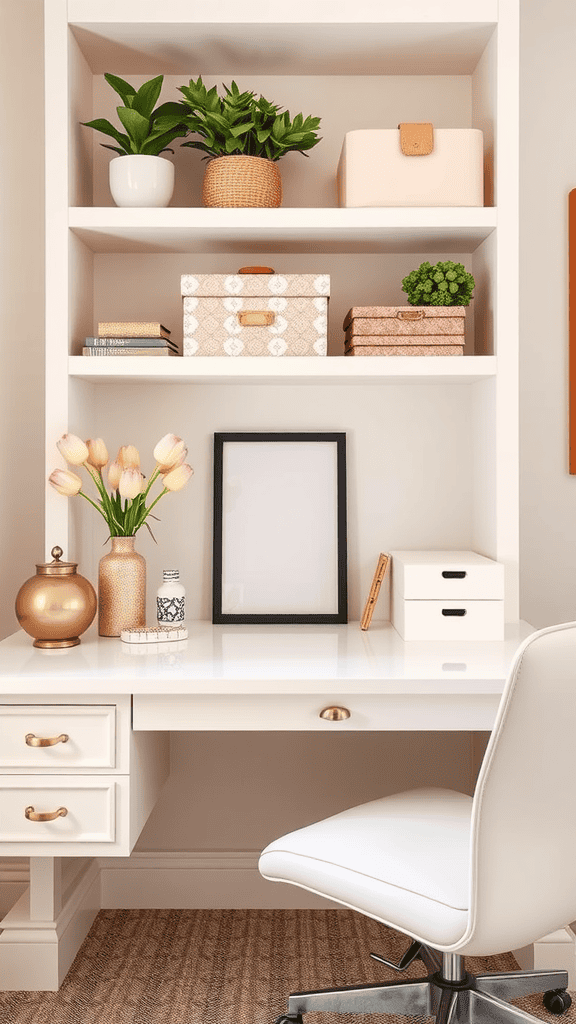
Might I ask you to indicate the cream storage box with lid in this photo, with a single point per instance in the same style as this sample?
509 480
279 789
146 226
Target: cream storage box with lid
255 312
447 595
404 331
413 165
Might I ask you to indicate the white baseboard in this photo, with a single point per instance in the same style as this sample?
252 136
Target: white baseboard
36 956
194 881
556 952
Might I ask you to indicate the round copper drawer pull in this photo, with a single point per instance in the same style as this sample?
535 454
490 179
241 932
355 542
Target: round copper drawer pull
33 815
37 741
335 714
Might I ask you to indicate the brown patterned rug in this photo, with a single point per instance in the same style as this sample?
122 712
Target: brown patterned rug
223 967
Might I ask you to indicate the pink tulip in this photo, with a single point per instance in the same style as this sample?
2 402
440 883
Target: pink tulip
73 449
168 451
65 482
97 452
114 474
130 483
177 478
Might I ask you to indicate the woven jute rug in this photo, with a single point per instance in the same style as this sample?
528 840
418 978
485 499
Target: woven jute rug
223 967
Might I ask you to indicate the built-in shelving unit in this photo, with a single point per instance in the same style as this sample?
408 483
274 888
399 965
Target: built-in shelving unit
432 442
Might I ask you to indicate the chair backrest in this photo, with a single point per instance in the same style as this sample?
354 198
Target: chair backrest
523 846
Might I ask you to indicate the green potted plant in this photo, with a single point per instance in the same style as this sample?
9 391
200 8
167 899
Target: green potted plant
444 284
139 176
243 137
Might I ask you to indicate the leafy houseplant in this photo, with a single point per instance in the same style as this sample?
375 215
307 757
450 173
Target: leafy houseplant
148 131
444 284
239 125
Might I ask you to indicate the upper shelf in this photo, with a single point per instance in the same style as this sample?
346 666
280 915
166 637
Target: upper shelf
290 370
306 37
328 230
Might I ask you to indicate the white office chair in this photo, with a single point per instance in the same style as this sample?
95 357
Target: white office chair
461 875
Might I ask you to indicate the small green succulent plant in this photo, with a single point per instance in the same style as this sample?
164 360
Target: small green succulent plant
444 284
238 123
149 129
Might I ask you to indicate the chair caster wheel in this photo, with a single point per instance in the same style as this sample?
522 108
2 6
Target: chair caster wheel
289 1018
557 1000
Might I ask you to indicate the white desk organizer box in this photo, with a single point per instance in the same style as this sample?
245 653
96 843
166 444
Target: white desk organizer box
255 314
447 595
373 170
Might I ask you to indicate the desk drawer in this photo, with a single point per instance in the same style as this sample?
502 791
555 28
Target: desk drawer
89 804
301 712
90 732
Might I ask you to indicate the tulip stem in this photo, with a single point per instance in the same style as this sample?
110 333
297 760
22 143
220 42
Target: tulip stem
97 507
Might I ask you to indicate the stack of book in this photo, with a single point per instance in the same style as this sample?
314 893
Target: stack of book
125 338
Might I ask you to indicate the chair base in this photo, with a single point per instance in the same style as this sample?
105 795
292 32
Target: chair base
469 999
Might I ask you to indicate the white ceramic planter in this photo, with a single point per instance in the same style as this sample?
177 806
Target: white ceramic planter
140 180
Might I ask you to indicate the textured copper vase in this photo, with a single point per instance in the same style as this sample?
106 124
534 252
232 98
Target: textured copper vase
121 588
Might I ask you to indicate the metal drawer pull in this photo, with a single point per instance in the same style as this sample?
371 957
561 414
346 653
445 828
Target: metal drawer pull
256 318
335 714
33 815
38 741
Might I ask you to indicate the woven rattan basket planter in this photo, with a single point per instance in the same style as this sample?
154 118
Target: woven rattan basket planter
242 181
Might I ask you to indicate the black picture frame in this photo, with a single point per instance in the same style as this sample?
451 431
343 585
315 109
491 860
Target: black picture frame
337 615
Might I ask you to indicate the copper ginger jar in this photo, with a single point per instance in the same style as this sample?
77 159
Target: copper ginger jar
57 604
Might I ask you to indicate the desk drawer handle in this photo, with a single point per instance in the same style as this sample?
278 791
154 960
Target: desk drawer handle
335 714
454 574
33 815
454 611
50 741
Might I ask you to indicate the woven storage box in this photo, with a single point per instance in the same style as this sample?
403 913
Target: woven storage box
255 314
404 331
376 170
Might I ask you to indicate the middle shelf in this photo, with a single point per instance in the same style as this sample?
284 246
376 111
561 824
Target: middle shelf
287 370
329 230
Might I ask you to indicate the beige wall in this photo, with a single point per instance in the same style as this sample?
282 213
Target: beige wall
290 778
21 298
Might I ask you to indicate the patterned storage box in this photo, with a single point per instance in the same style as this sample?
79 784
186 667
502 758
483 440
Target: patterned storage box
255 314
404 331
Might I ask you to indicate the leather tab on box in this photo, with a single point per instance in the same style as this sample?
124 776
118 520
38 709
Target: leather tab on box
416 139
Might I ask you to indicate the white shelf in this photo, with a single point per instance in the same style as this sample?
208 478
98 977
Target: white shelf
292 370
307 37
329 230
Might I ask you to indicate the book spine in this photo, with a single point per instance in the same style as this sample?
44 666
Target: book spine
97 351
132 329
130 343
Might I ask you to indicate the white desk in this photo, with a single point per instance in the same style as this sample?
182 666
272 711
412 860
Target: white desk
117 704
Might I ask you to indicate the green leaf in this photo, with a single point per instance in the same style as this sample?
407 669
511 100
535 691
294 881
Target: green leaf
170 109
147 96
115 149
136 126
263 135
157 143
100 124
124 89
233 145
241 129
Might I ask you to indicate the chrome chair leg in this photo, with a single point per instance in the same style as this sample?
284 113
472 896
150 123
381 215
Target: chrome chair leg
496 1011
513 984
410 997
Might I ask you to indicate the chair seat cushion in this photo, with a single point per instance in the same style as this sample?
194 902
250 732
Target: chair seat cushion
403 860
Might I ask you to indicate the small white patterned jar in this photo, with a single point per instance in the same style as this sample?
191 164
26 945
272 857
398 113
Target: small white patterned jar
255 314
170 599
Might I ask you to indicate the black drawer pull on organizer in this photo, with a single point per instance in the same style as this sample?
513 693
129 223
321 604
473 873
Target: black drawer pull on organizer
454 611
453 574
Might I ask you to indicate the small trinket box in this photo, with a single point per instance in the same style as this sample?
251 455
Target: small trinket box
153 634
